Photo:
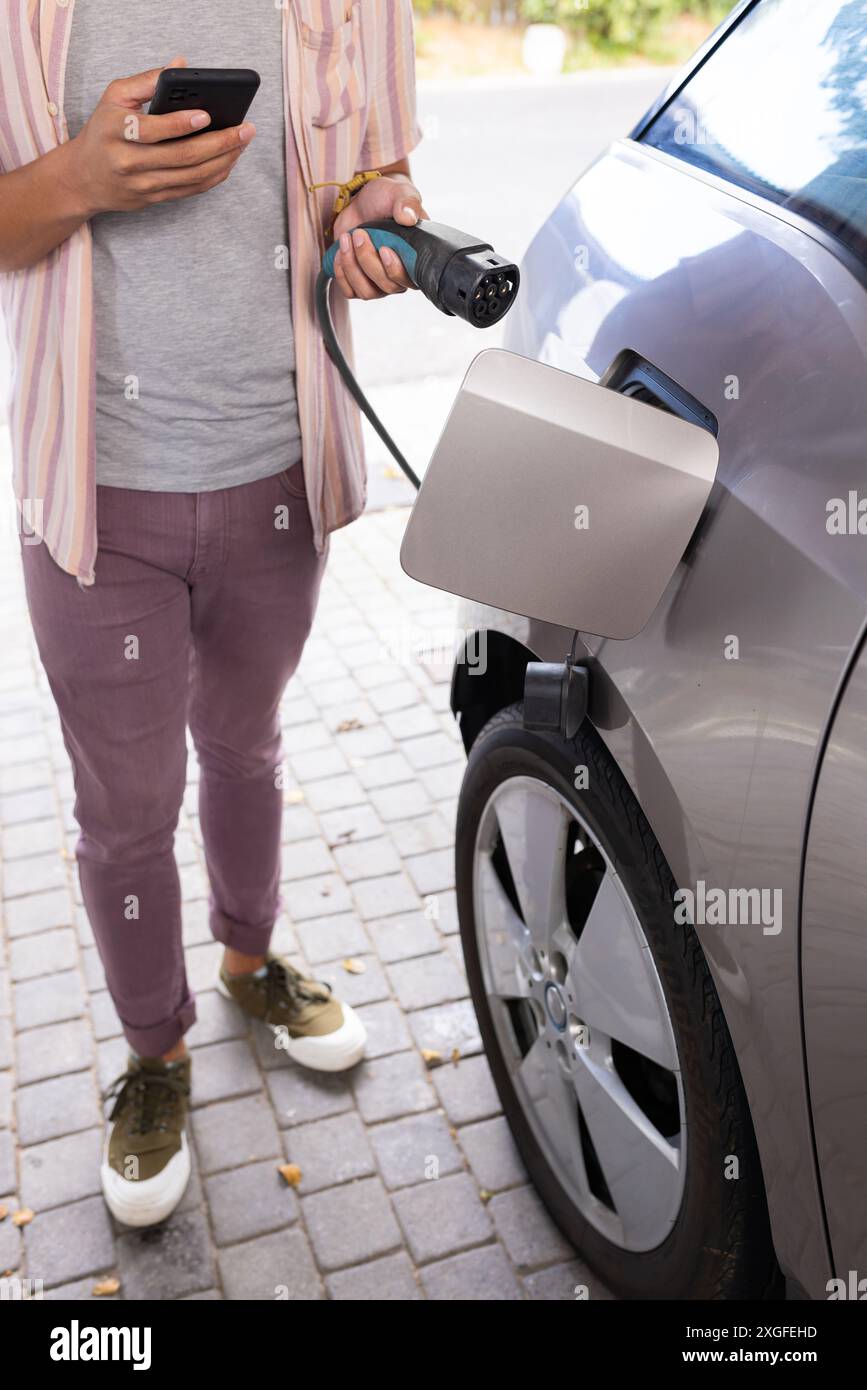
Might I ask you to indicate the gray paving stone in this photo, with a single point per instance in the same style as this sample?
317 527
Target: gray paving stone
426 981
425 835
40 873
350 826
386 1028
203 965
299 823
430 750
395 695
50 999
433 872
412 722
69 1242
389 1087
442 783
316 763
442 1216
402 802
224 1070
401 937
566 1283
300 1096
300 738
417 1149
526 1229
5 993
380 897
35 804
62 1105
111 1059
467 1091
332 938
329 1152
278 1267
8 1180
388 1280
167 1261
38 912
34 837
62 1170
385 771
249 1201
304 858
321 896
367 859
103 1016
234 1132
5 1099
11 1242
81 1290
91 965
492 1154
217 1020
335 793
446 1028
478 1275
6 1043
32 956
356 989
350 1223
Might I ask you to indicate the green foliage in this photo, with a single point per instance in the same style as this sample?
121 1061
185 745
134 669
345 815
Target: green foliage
618 22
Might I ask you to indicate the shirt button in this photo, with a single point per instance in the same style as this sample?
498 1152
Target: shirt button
53 108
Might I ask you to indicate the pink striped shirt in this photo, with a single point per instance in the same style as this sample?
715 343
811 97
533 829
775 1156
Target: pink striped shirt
349 94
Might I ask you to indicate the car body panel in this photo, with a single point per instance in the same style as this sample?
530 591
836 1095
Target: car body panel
762 323
835 973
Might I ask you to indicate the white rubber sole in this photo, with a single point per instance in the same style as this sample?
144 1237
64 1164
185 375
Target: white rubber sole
151 1201
337 1051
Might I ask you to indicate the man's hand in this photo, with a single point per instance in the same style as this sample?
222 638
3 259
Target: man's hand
119 163
360 270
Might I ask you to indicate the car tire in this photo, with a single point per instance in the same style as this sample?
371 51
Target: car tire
719 1245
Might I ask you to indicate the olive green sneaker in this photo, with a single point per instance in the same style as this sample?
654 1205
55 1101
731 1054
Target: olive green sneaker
146 1159
311 1026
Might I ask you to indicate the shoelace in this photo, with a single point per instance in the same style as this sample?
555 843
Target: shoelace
150 1094
282 979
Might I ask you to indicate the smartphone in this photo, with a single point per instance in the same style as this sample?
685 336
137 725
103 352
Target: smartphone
225 93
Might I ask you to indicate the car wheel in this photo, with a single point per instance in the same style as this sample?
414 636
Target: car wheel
602 1025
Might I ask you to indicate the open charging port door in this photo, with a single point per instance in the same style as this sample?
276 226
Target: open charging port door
558 499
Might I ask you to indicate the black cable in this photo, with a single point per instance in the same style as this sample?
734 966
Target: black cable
323 313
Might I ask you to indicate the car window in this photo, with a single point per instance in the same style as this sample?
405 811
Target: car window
781 108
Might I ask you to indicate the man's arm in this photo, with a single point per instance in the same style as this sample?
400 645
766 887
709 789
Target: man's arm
117 163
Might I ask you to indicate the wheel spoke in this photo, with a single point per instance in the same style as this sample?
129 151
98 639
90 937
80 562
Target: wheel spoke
553 1098
640 1167
535 825
506 936
613 980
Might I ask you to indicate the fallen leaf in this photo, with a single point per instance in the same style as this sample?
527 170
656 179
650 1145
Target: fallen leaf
484 1194
393 474
456 1055
290 1173
292 798
353 966
103 1288
22 1217
346 834
431 1058
347 725
4 1212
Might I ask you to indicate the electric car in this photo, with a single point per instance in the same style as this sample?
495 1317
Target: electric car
664 914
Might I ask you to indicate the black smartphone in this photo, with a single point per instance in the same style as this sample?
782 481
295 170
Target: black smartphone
225 93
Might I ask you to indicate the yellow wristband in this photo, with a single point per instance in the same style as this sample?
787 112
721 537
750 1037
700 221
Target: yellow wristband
345 191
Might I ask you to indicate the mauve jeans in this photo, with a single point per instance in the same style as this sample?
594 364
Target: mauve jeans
199 613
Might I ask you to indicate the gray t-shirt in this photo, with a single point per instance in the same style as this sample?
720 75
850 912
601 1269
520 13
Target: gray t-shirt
195 358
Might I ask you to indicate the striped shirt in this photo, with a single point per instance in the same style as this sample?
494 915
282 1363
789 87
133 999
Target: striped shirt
349 97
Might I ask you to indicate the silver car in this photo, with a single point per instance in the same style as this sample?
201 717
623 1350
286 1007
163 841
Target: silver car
662 830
